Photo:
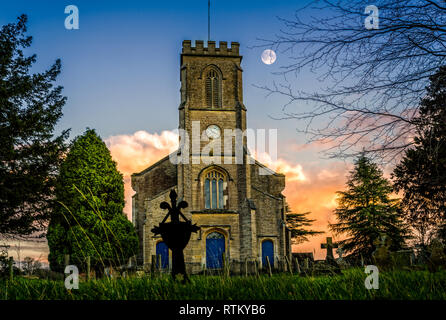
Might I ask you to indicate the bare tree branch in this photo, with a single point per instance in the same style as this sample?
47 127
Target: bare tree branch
375 77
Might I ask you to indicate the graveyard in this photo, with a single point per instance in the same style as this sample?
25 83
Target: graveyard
398 277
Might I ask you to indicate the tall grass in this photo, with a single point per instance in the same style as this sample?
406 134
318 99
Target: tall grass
348 286
117 259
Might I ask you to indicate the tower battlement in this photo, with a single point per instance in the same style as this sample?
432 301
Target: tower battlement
211 49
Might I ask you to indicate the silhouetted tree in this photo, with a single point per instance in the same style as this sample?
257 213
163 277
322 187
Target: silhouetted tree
30 154
31 265
298 224
365 211
421 175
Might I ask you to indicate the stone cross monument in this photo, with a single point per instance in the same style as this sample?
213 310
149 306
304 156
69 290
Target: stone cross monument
329 246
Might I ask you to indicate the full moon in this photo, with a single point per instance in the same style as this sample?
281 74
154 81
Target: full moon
268 56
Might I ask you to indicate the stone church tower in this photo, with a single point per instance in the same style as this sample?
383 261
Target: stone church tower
241 212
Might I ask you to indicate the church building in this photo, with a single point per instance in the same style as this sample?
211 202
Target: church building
241 212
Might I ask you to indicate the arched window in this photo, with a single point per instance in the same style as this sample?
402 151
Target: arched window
213 190
213 89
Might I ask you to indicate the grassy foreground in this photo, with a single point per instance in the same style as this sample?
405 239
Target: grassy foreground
348 286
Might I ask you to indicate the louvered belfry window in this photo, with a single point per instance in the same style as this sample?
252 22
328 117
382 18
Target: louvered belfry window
213 89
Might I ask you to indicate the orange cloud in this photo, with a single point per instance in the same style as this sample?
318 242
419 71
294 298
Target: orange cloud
293 172
135 152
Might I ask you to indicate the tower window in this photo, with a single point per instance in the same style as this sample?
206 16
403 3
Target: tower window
213 190
213 89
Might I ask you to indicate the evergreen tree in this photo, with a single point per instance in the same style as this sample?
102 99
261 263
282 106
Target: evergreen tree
297 223
88 219
421 174
365 211
30 154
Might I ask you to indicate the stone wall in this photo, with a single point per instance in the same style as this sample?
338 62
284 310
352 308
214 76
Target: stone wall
154 180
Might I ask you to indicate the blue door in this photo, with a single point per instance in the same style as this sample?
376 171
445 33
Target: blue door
215 247
163 251
267 251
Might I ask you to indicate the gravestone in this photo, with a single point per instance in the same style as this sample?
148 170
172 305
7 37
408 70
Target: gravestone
381 256
329 246
340 252
402 258
437 258
329 266
301 258
296 263
340 260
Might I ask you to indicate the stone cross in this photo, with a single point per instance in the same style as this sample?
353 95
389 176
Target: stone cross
329 246
340 252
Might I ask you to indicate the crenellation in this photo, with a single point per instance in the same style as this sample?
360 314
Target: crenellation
187 46
199 49
210 49
223 47
235 48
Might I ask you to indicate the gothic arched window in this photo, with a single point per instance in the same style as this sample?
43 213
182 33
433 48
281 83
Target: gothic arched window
213 190
213 89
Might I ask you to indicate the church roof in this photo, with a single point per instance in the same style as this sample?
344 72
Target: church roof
154 165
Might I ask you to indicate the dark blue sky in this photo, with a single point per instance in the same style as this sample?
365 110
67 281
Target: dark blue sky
121 68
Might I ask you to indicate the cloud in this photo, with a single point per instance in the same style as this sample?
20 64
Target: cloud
292 171
135 152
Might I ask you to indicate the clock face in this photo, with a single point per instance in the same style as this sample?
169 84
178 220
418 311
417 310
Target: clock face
213 131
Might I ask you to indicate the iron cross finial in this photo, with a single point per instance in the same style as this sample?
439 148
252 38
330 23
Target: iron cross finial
174 209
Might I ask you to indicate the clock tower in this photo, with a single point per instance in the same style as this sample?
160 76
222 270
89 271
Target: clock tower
210 111
213 115
241 212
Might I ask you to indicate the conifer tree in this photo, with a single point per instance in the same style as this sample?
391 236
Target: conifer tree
298 224
365 211
30 152
88 219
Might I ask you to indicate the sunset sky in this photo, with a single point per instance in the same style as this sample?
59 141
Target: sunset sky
121 76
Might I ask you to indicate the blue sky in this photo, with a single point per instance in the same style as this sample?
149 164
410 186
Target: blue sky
121 68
